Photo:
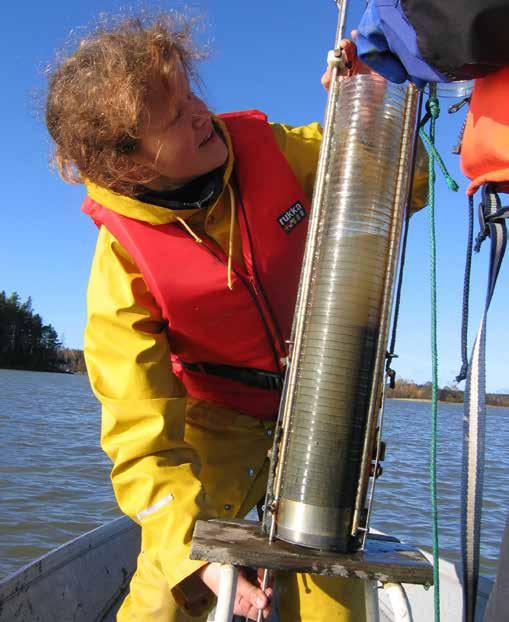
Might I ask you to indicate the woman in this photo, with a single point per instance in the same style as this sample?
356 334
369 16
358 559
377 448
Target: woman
202 222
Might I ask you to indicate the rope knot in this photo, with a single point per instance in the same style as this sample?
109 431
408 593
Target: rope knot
481 236
433 107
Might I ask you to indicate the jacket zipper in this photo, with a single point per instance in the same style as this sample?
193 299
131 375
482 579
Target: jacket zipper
249 285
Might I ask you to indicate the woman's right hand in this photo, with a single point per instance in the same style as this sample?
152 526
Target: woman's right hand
249 598
348 49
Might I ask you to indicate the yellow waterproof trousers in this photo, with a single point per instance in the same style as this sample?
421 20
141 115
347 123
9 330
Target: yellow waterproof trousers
234 468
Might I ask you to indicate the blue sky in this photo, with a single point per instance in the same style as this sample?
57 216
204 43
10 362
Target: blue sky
267 55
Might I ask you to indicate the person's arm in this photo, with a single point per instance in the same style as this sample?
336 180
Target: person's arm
155 473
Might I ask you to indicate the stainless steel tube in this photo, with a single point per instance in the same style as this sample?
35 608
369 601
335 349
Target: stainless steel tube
341 313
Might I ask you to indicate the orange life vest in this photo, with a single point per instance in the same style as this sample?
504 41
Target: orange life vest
485 144
208 324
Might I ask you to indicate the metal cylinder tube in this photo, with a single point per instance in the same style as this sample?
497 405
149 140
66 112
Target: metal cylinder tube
341 317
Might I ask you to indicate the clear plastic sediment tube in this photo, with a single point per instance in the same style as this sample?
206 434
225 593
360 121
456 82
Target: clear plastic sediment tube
342 313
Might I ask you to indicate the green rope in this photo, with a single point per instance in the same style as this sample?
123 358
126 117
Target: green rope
434 111
432 151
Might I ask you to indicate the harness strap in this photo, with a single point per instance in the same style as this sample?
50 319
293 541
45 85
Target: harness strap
492 221
258 378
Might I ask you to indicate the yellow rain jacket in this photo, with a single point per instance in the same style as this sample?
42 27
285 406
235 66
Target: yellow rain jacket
176 460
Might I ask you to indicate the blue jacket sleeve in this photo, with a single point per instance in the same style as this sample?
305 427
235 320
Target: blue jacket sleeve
433 40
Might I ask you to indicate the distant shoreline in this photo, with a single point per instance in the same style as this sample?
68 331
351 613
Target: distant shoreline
49 371
78 371
417 399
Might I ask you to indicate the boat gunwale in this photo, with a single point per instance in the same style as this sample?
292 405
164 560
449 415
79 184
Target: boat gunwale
53 560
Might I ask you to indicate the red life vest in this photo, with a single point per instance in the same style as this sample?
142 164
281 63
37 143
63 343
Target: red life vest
246 327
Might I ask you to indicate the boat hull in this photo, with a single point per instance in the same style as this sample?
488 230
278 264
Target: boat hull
84 580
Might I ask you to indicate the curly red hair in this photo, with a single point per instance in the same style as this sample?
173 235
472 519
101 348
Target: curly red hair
96 97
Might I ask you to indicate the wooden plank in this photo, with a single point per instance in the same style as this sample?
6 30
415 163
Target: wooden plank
241 543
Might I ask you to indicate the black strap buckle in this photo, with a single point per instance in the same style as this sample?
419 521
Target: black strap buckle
259 378
272 381
490 212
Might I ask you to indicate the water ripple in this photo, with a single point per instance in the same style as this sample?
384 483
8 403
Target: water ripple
402 502
55 478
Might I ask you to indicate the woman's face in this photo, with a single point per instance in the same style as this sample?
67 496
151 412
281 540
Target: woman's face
177 139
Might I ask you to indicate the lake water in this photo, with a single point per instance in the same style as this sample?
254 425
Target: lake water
54 478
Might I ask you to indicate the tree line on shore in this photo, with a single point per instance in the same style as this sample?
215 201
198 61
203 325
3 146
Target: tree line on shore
406 389
27 343
73 360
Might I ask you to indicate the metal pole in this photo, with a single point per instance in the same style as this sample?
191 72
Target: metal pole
302 295
407 150
305 278
226 593
311 245
342 7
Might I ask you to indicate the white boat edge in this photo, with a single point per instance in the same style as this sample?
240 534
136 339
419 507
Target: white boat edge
86 579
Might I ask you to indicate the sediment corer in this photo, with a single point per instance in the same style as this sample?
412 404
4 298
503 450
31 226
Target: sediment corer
333 386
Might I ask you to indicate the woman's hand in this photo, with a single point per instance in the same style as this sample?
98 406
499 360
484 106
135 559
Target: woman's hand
249 598
353 65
